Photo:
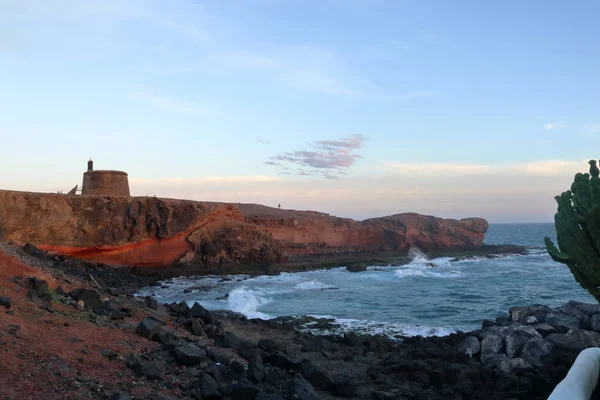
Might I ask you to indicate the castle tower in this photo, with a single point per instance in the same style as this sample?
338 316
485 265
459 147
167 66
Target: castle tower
104 182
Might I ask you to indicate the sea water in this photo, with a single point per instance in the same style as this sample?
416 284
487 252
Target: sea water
411 299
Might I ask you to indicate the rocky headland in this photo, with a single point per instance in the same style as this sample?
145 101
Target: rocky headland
71 329
154 232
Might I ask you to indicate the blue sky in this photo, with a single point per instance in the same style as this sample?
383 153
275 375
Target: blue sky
366 108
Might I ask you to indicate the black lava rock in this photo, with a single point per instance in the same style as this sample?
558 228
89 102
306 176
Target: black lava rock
190 355
5 302
148 328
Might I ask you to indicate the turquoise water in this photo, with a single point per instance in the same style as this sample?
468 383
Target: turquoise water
410 299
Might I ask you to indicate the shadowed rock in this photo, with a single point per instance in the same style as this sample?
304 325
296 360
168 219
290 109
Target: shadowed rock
189 354
148 327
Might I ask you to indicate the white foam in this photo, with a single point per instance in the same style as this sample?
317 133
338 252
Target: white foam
313 285
247 302
423 266
393 330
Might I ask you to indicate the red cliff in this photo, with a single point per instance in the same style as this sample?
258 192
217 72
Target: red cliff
147 231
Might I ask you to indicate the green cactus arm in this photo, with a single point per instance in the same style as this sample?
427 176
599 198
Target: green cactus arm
554 252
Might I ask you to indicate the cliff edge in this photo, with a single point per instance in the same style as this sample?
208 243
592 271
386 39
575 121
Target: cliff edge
156 232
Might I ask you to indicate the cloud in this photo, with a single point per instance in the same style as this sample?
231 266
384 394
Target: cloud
551 167
174 105
272 163
262 141
316 81
437 168
536 168
205 180
330 155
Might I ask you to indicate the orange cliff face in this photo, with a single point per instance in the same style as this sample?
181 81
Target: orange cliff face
153 232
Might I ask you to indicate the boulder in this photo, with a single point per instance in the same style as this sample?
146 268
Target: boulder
521 314
576 308
300 388
516 338
219 355
573 309
356 267
486 323
256 368
494 360
470 346
346 388
243 391
148 327
544 329
189 354
594 322
120 396
5 302
113 291
197 328
575 339
197 311
90 297
282 360
34 251
151 302
147 369
539 352
233 341
237 367
210 387
514 364
490 346
562 322
317 375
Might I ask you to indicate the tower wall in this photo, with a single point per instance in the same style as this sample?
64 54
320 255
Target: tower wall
105 183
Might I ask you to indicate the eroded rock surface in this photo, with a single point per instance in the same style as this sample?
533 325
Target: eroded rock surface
149 231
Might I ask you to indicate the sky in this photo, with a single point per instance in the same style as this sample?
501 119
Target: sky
357 108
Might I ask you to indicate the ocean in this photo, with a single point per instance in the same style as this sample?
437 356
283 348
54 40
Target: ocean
407 300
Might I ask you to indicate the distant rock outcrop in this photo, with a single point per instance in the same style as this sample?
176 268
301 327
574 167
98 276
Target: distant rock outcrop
148 231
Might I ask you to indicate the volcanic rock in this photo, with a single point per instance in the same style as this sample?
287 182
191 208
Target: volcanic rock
189 354
562 322
5 302
148 327
90 297
132 231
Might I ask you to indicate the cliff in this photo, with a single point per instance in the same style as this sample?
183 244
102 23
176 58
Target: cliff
153 232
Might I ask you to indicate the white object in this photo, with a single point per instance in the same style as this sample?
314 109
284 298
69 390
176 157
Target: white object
581 379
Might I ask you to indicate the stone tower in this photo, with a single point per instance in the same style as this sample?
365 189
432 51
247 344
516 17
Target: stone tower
104 182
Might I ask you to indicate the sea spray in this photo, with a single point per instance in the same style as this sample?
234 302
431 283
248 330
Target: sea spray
247 302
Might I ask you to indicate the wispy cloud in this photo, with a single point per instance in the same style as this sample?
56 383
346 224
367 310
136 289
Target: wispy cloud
262 141
538 168
206 179
437 168
326 157
556 125
173 105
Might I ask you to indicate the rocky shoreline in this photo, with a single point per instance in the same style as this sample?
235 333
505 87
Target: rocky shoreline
72 332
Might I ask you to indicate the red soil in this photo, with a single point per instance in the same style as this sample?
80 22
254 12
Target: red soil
44 356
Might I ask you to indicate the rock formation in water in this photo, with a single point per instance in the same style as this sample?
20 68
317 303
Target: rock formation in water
148 231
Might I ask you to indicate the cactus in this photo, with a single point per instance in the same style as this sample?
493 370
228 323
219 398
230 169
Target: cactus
577 224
